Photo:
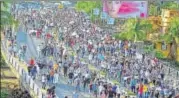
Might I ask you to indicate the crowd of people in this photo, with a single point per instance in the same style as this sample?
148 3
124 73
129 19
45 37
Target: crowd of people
19 93
74 44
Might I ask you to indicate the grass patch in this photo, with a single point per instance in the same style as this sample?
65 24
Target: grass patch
102 73
4 93
3 63
130 93
92 68
7 73
115 82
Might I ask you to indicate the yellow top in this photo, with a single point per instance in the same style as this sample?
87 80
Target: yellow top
60 6
145 88
55 66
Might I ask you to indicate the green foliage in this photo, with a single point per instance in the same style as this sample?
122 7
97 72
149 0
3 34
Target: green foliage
135 30
153 9
88 6
3 63
173 5
148 48
4 93
6 18
177 64
116 82
159 55
172 34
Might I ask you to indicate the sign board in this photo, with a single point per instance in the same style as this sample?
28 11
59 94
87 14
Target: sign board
103 15
110 21
96 11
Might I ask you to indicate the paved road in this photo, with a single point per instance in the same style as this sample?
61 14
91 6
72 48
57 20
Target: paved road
62 88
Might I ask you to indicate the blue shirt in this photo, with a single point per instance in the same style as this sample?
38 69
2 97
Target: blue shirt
75 95
114 88
94 87
101 57
133 82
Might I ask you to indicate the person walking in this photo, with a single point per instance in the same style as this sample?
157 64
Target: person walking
94 88
52 75
38 51
77 85
101 89
44 81
86 80
55 67
33 72
65 68
75 95
103 95
111 93
70 76
56 77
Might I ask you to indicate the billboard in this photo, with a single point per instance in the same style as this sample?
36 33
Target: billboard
125 9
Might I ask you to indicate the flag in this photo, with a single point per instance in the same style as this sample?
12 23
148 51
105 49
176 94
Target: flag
110 21
103 15
96 11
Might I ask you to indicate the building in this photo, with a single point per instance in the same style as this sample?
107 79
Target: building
161 24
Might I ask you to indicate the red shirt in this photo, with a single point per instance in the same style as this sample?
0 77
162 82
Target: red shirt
48 36
32 62
141 89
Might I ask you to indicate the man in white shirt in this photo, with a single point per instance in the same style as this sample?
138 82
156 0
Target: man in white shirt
101 88
38 51
43 81
56 76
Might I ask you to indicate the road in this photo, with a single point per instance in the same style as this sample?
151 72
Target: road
62 88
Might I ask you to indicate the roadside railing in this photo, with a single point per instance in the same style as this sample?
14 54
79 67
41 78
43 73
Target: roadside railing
25 80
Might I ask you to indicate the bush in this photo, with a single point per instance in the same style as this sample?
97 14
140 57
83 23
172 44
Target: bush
177 64
4 93
148 48
3 63
159 55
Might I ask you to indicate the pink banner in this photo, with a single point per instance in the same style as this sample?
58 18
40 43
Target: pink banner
125 9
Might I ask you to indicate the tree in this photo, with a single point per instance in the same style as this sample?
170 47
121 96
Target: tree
7 19
88 6
172 37
155 8
135 30
172 5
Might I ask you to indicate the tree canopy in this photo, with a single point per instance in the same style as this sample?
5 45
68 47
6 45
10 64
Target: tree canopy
155 8
135 30
88 6
172 33
7 18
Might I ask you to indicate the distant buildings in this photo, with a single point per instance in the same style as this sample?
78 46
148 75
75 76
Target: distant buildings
160 25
